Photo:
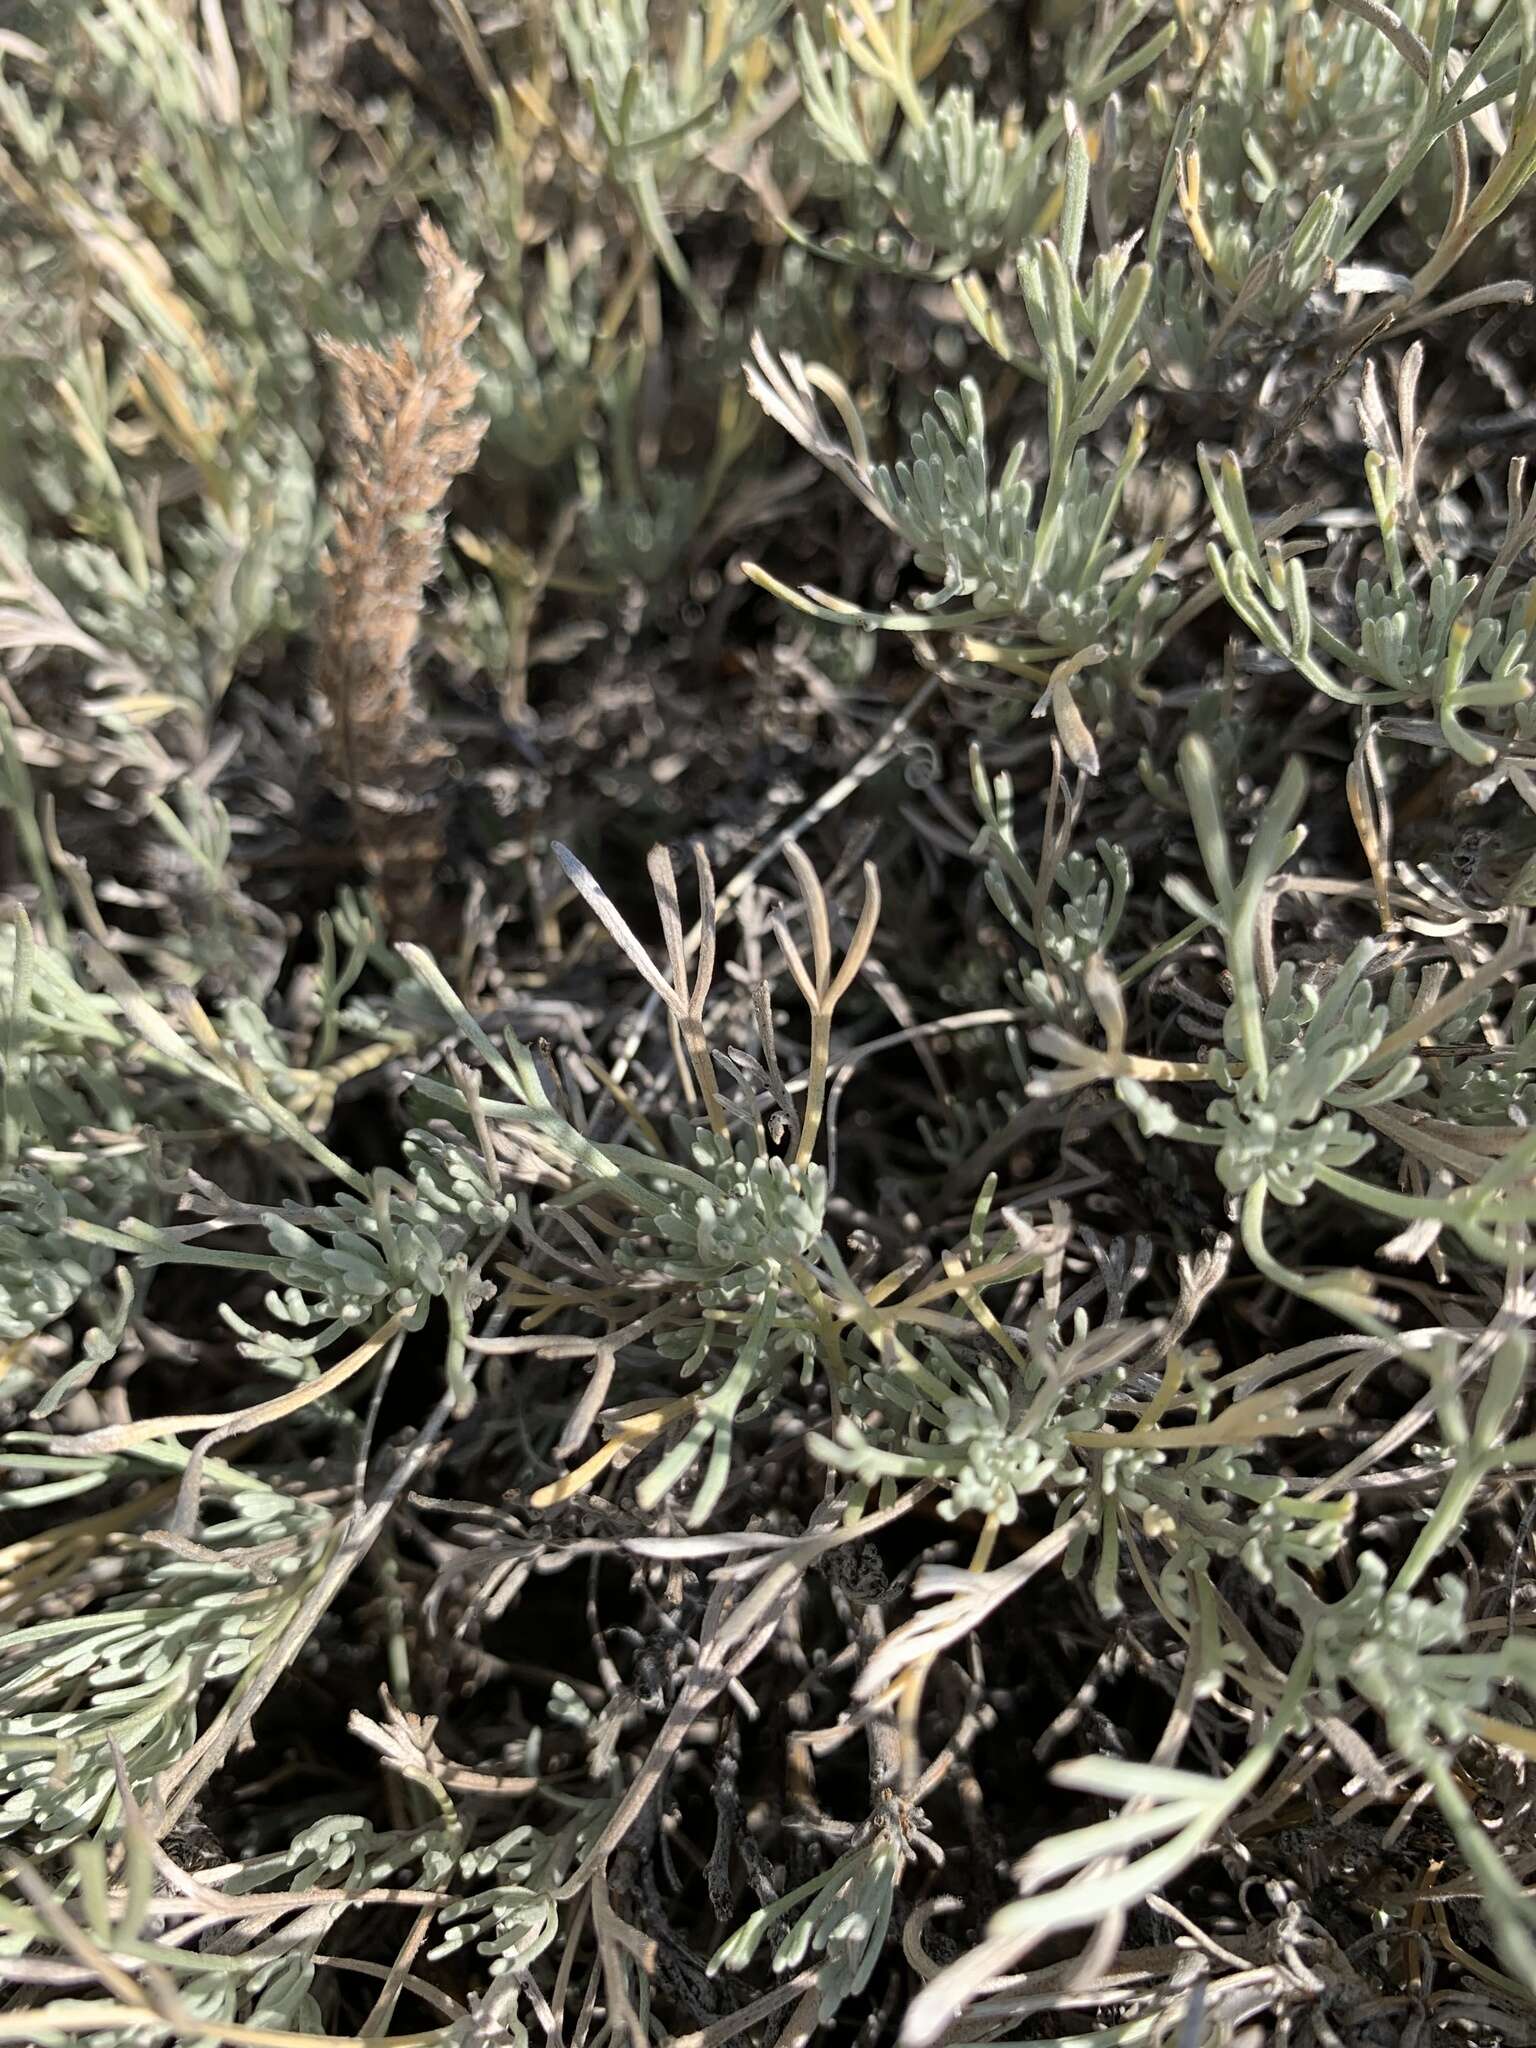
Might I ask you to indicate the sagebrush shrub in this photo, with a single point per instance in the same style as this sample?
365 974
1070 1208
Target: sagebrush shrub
915 1423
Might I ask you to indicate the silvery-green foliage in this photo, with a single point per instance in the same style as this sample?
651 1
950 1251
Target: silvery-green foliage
1407 1654
1273 266
1213 720
1398 1648
845 1913
955 182
454 1181
206 1994
1293 97
487 2023
1299 1069
1442 643
637 518
926 179
657 109
245 1976
339 1854
1177 330
1067 914
390 1252
1285 1125
136 617
974 537
44 1266
1269 266
1413 1658
233 575
244 570
130 1671
511 1911
1493 1086
643 105
87 1138
990 1431
69 1153
966 1427
227 575
716 1233
1046 574
1051 573
1003 296
268 250
1282 165
213 377
1204 1508
641 537
732 1240
513 1920
394 1004
744 1389
1446 646
543 369
1295 1065
355 1261
960 186
342 1852
48 1010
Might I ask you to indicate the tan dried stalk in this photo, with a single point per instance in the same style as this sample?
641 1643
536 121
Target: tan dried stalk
406 432
822 989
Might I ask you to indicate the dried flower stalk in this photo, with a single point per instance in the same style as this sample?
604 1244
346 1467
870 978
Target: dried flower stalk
406 433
